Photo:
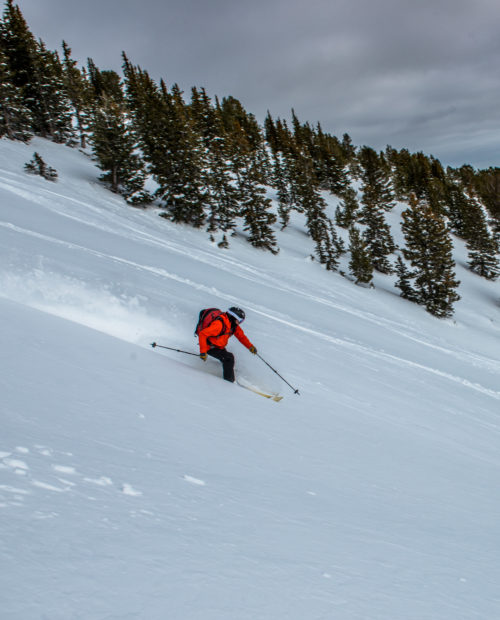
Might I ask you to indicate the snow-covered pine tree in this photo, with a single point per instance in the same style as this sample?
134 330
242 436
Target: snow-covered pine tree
429 251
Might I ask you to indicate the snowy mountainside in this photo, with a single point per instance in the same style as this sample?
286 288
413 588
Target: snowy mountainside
136 484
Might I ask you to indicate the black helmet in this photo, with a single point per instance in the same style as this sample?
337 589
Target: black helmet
236 313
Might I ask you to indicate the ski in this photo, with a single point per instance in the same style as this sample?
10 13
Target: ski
275 397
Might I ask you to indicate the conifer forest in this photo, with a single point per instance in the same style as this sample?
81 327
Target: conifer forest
212 164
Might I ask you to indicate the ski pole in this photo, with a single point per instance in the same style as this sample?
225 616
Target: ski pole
153 344
274 370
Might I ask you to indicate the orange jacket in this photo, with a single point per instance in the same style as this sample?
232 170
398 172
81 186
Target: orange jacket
218 333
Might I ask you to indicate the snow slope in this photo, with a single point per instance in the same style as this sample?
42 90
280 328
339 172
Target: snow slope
135 484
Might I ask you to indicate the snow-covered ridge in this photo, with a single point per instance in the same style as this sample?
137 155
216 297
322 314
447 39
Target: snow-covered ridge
135 483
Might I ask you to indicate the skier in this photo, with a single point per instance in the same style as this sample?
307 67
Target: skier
214 330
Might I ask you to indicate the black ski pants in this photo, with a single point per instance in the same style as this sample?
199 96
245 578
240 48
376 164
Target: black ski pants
227 360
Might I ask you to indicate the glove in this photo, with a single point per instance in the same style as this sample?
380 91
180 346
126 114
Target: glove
253 350
203 356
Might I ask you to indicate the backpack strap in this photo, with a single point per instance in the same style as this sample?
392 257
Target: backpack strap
219 318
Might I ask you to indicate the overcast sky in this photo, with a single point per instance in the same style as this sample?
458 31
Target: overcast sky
419 74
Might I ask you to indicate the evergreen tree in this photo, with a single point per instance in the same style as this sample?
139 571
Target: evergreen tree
360 263
19 47
254 206
481 244
245 139
246 153
429 251
221 195
53 110
15 117
37 72
171 146
458 204
271 133
328 245
487 186
280 183
349 156
376 184
400 171
328 160
346 213
78 92
38 166
377 236
104 84
419 174
283 167
377 199
114 146
468 221
404 281
255 210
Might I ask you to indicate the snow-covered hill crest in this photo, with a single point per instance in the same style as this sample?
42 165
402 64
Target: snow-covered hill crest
136 484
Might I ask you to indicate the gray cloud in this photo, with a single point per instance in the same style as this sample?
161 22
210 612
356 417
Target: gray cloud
412 73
